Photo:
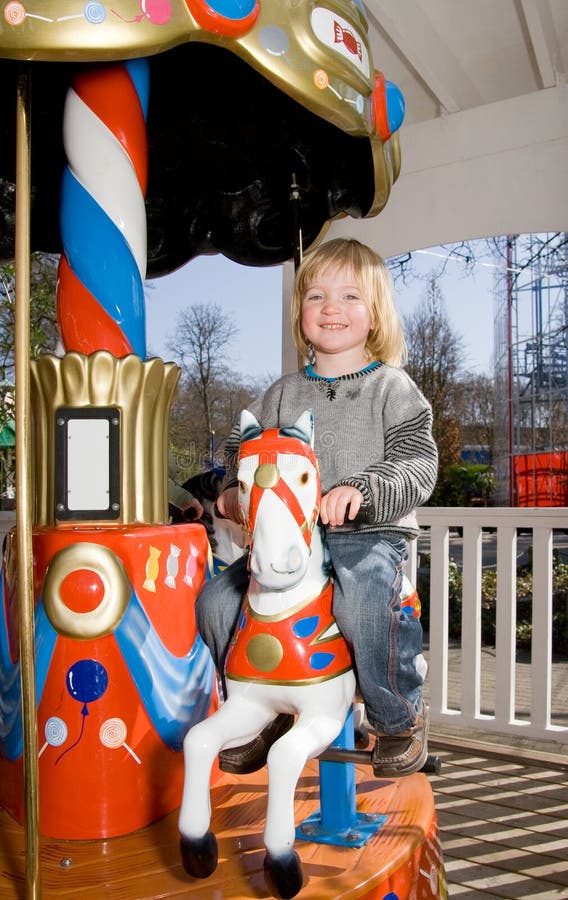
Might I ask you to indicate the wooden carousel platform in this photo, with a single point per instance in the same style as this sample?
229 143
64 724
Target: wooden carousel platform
145 865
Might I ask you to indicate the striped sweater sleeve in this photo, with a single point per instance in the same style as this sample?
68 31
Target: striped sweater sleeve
406 475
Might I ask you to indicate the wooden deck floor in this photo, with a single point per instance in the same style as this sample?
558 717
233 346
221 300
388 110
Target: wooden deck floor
503 817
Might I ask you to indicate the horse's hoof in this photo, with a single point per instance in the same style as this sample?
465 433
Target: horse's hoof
199 855
283 874
433 765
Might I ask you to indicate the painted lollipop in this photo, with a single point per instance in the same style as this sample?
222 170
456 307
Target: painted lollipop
56 732
100 300
113 735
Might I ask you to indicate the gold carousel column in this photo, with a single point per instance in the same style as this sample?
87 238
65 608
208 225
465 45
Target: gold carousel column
23 486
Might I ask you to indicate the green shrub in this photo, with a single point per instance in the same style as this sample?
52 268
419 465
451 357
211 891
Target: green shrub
488 603
464 484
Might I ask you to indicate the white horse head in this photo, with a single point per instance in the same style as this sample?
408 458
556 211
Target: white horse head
279 497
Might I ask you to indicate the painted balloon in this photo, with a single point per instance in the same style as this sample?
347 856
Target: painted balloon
86 680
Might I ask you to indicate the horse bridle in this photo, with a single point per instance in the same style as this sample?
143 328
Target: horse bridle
267 476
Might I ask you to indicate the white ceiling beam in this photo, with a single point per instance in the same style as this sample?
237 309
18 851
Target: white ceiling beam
410 29
478 173
542 35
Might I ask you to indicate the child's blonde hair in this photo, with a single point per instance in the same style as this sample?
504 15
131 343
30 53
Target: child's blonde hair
385 342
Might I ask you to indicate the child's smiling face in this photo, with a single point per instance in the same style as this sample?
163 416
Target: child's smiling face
335 315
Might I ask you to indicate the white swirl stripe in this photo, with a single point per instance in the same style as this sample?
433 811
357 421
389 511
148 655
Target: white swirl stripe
103 168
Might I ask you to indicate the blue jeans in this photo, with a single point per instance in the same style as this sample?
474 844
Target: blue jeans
385 642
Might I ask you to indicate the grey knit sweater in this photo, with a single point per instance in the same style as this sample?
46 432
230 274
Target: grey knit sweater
373 430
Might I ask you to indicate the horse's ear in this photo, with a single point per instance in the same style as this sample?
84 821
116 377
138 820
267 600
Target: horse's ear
305 425
248 423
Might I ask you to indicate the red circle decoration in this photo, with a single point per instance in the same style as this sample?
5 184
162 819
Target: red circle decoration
82 591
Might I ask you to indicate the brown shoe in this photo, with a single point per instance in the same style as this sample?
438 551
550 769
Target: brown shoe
252 756
404 753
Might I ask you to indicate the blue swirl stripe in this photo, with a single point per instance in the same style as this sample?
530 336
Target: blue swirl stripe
87 231
11 739
139 71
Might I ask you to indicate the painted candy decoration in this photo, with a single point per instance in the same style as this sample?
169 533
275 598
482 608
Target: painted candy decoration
103 223
344 36
152 569
112 734
56 733
172 566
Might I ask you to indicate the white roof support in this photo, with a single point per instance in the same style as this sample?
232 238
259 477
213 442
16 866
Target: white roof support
544 40
411 29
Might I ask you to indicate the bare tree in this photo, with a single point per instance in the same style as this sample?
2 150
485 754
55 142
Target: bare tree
203 334
478 411
43 324
404 269
545 252
435 357
194 445
211 395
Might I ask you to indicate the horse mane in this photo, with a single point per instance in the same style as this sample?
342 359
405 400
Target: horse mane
206 485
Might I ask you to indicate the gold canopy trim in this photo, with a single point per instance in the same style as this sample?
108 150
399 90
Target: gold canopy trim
317 53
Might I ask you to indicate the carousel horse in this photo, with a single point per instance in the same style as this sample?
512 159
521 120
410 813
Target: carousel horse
286 656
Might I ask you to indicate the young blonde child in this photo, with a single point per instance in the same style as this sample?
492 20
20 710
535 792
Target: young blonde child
378 462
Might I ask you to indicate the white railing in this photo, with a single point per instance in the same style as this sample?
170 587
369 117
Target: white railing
460 705
464 708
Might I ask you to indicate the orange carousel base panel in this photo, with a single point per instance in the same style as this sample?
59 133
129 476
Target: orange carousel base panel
402 861
114 697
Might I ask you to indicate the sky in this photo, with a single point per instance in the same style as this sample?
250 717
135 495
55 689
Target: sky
252 297
468 297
